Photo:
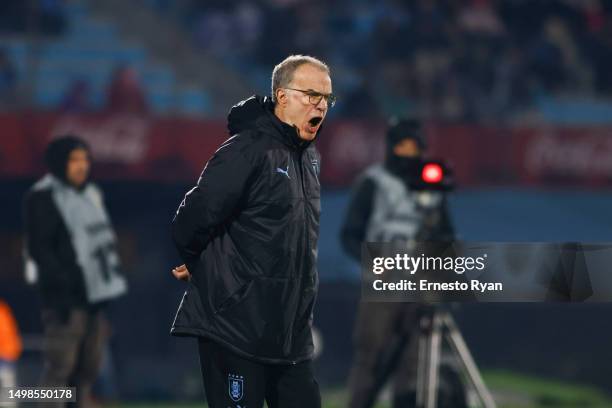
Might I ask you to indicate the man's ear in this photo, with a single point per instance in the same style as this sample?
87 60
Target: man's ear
281 96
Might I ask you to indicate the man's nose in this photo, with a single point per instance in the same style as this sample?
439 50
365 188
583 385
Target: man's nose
322 105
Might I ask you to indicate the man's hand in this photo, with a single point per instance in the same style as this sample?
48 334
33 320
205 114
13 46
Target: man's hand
181 273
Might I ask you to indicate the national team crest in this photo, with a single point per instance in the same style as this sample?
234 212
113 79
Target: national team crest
236 387
315 166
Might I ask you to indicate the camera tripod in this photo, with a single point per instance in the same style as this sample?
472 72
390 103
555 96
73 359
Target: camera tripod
435 324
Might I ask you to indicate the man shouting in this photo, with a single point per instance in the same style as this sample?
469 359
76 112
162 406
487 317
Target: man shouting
247 233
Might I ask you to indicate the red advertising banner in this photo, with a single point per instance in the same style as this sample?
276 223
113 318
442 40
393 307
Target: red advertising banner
123 146
176 149
567 155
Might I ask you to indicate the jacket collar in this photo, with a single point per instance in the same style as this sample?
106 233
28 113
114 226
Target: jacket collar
289 134
257 113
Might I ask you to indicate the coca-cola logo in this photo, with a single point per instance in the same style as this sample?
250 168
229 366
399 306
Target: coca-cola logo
116 139
577 155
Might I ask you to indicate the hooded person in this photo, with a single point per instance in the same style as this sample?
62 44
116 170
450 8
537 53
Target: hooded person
57 155
247 233
405 144
71 253
385 208
269 248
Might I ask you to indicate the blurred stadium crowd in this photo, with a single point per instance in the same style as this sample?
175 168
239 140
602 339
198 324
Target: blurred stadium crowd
448 60
452 60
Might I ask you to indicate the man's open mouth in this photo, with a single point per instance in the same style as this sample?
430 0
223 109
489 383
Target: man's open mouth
315 121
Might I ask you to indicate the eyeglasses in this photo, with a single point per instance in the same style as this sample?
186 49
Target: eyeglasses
314 97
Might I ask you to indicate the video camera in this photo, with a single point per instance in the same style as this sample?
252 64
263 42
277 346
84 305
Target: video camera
432 175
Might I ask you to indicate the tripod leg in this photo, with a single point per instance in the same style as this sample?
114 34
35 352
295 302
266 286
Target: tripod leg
433 370
456 341
429 361
423 358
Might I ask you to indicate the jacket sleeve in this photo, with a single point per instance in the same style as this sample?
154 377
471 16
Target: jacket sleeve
217 195
42 223
357 217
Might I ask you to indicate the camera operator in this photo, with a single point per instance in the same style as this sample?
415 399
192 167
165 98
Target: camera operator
390 203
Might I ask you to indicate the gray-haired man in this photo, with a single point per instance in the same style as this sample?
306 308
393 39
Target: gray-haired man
248 235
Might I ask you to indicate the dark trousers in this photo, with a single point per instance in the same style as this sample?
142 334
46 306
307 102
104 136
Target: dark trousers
73 351
231 381
386 345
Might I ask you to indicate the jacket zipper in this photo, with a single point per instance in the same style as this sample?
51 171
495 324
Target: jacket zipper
307 242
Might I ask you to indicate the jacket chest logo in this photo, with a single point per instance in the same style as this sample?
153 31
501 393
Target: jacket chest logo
284 171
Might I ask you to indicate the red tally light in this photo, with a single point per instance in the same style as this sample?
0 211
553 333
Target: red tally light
432 173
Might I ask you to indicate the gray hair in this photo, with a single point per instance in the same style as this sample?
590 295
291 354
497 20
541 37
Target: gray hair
282 74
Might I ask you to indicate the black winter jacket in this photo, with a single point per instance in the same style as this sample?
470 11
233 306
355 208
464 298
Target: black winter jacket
49 244
248 234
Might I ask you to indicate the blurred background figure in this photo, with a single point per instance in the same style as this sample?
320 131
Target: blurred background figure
72 243
125 94
10 349
388 204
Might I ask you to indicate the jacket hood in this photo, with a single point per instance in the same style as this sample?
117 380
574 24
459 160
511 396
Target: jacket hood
58 152
244 115
257 113
401 129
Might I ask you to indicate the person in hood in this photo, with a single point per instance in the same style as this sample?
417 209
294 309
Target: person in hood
385 207
247 233
70 250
